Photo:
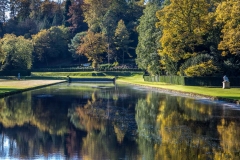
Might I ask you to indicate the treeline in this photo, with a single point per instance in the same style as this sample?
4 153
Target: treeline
173 37
44 32
190 38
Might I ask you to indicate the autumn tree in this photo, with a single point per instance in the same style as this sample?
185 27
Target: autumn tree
51 45
76 18
228 16
18 52
184 24
93 45
94 12
148 40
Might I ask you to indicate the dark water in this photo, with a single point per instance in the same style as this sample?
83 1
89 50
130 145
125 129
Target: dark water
107 122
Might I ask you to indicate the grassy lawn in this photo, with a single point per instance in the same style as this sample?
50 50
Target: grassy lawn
218 92
8 86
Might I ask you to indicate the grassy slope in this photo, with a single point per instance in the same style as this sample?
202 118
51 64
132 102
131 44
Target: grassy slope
216 92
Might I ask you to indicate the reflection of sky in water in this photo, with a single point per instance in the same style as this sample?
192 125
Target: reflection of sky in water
162 120
10 152
7 150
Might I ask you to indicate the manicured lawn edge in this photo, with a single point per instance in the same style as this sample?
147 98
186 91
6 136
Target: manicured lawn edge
170 91
26 89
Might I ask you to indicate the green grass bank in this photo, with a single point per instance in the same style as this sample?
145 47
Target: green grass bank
136 78
216 93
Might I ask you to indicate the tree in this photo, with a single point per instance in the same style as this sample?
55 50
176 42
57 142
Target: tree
76 18
66 13
122 38
23 9
201 65
26 28
184 23
35 9
228 16
18 52
94 12
52 44
92 46
148 40
75 42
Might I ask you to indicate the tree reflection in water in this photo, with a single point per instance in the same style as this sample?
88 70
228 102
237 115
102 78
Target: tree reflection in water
113 122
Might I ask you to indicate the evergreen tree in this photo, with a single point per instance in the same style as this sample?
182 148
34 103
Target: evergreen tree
66 12
148 40
122 39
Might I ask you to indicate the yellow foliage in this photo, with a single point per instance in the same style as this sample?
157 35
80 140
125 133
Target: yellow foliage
202 69
228 16
184 23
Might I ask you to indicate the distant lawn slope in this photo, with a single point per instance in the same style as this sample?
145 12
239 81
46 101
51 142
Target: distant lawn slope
85 74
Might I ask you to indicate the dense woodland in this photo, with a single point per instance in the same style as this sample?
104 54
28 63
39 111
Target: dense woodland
163 37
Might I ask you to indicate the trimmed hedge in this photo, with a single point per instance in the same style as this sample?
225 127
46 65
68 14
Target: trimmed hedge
193 81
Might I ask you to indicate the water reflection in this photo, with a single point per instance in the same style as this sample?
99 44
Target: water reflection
107 121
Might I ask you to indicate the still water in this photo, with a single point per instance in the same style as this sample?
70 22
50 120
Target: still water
81 121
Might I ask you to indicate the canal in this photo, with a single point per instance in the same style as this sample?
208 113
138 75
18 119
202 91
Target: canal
105 121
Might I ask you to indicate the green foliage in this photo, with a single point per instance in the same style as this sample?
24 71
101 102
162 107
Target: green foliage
17 52
122 38
75 42
66 13
231 66
147 48
52 44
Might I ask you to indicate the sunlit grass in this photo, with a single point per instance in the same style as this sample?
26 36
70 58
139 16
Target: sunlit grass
233 93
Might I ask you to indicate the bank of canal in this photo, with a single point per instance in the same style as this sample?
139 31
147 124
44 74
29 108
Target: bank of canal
10 87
